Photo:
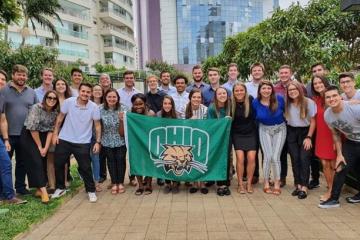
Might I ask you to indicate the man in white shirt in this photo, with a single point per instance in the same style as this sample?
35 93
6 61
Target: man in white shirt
233 74
47 77
74 138
257 71
76 79
181 97
165 80
128 90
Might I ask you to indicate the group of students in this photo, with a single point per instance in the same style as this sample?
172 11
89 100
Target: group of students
87 121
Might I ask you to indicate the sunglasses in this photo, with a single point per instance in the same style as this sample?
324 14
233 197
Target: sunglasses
51 98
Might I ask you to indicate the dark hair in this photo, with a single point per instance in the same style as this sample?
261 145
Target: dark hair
318 64
143 98
323 80
164 71
106 105
56 106
102 92
75 69
86 85
331 88
67 93
196 67
4 73
273 100
180 77
346 74
128 72
172 113
188 110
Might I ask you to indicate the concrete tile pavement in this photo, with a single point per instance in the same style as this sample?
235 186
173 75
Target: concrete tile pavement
197 216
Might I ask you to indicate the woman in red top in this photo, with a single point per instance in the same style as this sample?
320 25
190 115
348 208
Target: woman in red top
324 145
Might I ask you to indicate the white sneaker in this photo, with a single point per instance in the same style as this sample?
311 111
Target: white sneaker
92 197
58 193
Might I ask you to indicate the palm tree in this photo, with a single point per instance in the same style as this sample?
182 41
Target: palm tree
40 11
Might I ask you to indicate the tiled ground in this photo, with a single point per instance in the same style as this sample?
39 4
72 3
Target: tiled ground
197 216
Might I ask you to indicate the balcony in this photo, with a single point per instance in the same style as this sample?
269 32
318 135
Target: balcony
73 53
109 29
68 32
114 17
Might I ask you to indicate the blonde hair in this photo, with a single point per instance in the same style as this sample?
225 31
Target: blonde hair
246 100
227 105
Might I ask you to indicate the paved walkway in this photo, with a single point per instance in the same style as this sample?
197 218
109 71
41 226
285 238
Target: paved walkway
197 216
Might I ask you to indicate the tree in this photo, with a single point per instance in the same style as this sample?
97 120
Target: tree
40 11
158 66
298 36
9 12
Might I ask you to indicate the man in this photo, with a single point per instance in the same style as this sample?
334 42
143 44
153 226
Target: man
76 79
181 97
233 74
285 73
74 138
197 75
165 79
257 72
154 97
18 99
105 82
47 77
7 192
347 85
209 91
343 118
317 69
128 90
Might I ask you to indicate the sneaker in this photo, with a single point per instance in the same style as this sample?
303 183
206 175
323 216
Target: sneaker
92 197
167 189
15 201
282 182
353 199
23 192
331 203
58 193
314 184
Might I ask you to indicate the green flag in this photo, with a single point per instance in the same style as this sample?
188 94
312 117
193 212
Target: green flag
176 149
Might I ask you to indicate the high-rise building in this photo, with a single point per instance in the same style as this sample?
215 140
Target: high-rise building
93 31
190 31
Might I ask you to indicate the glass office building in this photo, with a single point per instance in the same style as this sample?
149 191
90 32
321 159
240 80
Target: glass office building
203 25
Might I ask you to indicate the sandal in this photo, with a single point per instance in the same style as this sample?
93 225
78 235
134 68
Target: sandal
98 187
121 189
241 190
139 191
277 191
148 191
267 190
250 189
114 190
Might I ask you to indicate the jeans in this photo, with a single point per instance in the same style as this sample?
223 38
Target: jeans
300 158
82 155
6 186
20 171
351 153
95 162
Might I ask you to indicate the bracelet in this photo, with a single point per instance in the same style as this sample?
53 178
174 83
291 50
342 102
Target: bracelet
5 139
98 142
309 137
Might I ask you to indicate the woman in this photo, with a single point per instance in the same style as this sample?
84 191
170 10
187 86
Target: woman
220 108
35 141
269 111
168 111
195 110
324 145
300 115
243 135
96 97
112 139
63 91
3 77
139 106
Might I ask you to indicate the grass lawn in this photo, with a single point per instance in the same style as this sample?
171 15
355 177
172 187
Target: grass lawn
20 217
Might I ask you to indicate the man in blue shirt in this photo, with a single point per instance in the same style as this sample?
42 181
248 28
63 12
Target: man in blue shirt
198 75
209 91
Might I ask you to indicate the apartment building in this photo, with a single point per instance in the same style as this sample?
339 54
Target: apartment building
91 30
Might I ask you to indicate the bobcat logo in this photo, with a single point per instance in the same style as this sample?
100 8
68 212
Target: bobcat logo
178 159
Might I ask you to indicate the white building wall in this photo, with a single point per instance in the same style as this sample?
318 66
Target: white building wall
168 31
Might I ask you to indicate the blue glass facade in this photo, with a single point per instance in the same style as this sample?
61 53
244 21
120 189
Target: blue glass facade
203 25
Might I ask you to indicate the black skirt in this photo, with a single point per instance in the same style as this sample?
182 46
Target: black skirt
245 142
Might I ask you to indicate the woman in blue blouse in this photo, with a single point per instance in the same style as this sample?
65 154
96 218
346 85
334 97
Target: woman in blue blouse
220 108
112 139
269 110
